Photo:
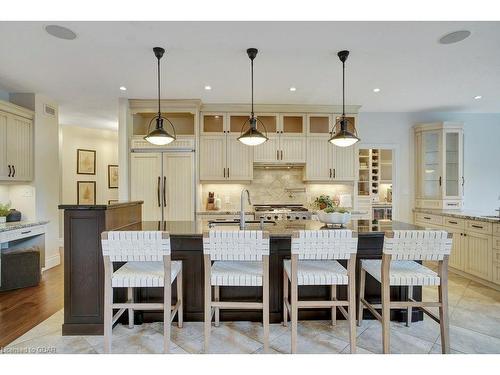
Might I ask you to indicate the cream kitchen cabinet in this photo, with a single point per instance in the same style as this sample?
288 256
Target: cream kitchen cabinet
326 162
287 141
16 143
479 255
439 165
224 158
175 193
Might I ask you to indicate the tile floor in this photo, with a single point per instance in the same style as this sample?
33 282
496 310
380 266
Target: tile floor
474 319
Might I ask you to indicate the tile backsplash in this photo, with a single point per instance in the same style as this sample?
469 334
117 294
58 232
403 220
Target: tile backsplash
272 186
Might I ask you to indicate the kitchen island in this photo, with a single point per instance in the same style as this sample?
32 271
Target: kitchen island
187 245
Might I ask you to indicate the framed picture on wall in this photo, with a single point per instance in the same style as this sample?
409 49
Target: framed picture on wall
85 161
85 192
112 176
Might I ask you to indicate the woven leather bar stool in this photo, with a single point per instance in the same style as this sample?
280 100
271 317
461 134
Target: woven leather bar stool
314 262
240 258
147 254
398 267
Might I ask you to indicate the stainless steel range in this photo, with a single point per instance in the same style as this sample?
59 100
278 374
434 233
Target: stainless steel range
281 212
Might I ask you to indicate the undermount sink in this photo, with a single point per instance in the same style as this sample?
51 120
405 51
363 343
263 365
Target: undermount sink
256 223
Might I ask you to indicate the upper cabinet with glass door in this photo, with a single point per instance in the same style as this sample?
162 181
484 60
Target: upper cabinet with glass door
439 165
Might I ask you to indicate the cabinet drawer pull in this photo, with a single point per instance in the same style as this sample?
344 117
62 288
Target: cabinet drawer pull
427 218
26 232
452 222
476 226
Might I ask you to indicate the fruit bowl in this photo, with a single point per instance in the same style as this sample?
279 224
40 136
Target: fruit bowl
334 218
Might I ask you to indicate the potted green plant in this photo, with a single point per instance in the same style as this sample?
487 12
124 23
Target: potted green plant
323 201
4 211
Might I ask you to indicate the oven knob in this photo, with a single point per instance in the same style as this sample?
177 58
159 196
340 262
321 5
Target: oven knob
269 218
276 217
297 218
288 217
304 218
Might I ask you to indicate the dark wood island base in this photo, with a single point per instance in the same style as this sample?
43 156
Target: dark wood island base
83 267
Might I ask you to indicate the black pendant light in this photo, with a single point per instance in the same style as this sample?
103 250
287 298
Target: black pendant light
341 136
159 135
252 137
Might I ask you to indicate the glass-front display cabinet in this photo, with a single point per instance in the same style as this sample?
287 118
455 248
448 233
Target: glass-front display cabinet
439 165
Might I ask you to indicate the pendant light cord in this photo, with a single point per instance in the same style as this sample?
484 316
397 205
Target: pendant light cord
343 89
159 107
252 86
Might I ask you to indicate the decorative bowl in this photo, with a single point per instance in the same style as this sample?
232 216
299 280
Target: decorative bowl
334 217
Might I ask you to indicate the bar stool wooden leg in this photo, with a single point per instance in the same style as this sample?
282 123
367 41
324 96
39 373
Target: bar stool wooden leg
294 303
130 298
362 279
208 302
167 305
386 303
217 310
108 309
265 302
180 299
333 296
351 291
409 309
444 323
285 298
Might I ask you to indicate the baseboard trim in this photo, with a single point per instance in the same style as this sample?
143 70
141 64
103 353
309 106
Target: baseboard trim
476 279
53 261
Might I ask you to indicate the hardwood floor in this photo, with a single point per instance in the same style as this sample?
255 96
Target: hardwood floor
23 309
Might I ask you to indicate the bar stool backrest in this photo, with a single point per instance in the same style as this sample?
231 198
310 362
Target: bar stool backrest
135 246
417 244
241 245
324 244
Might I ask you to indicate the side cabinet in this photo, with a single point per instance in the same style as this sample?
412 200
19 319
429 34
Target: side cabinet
16 143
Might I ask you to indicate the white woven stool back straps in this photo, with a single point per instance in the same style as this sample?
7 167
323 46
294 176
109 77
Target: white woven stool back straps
324 244
136 246
239 245
417 244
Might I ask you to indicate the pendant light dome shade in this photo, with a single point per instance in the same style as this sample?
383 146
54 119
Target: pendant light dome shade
159 136
341 136
252 136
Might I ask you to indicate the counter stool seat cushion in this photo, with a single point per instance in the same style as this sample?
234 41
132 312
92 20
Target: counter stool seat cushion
143 274
318 272
243 273
402 272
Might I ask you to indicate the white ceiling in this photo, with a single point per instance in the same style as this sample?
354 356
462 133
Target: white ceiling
403 59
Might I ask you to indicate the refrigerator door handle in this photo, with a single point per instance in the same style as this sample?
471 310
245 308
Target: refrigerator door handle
164 192
158 191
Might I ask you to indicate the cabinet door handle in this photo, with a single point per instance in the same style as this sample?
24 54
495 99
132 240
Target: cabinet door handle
158 190
439 180
224 172
330 172
476 226
463 181
333 172
10 170
277 154
281 154
13 170
164 192
227 172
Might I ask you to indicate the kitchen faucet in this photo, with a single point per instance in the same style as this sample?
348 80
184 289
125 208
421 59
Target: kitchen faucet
242 211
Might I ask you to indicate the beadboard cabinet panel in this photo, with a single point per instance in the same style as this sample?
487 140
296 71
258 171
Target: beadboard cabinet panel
213 158
179 187
343 163
239 160
318 167
4 170
268 152
292 149
145 183
479 255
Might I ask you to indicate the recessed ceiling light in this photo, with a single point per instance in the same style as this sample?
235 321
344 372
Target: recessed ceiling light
376 90
123 88
293 89
208 88
454 37
60 32
477 97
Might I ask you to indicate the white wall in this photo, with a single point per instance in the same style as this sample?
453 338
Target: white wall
105 143
481 153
